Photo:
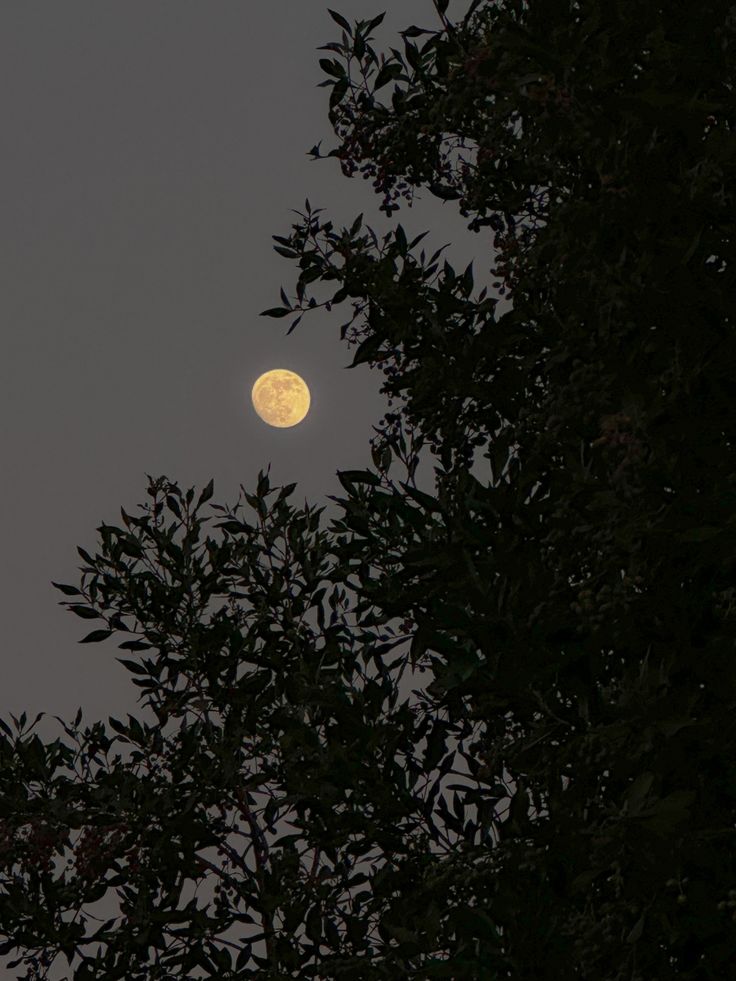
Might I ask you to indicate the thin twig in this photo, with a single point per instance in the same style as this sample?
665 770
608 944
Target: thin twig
261 852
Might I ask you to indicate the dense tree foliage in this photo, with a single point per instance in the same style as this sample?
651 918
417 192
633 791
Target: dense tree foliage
572 610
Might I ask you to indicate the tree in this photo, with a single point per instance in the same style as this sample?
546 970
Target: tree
575 613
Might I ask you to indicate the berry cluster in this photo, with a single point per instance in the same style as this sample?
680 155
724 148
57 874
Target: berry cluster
96 846
35 841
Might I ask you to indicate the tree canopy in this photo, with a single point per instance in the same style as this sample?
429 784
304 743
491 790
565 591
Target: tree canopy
572 610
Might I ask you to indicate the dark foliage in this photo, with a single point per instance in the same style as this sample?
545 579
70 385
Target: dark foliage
574 613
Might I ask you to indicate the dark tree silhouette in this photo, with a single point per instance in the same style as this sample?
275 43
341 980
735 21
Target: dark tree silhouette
573 611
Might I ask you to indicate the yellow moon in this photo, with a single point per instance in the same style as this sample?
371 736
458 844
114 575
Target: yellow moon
280 397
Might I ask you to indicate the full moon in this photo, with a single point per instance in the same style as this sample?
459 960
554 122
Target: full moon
280 397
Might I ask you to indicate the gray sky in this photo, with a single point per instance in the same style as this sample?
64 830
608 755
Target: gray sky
151 148
150 151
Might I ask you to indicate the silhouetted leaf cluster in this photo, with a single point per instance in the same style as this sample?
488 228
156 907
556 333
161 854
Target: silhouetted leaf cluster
560 800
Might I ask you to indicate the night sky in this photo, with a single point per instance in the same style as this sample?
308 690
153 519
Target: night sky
151 148
150 151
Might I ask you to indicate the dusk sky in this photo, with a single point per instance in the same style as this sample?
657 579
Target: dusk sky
150 152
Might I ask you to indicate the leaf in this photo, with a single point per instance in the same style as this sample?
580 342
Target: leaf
412 55
338 92
233 527
638 790
332 67
668 812
67 590
637 930
375 22
401 934
19 724
693 246
436 746
339 19
206 493
134 645
309 276
313 925
263 484
95 636
349 477
519 806
672 726
428 502
582 882
135 729
445 192
133 666
415 31
400 236
435 968
388 72
104 929
417 240
332 934
285 492
86 612
243 957
367 351
702 534
275 312
467 279
475 921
